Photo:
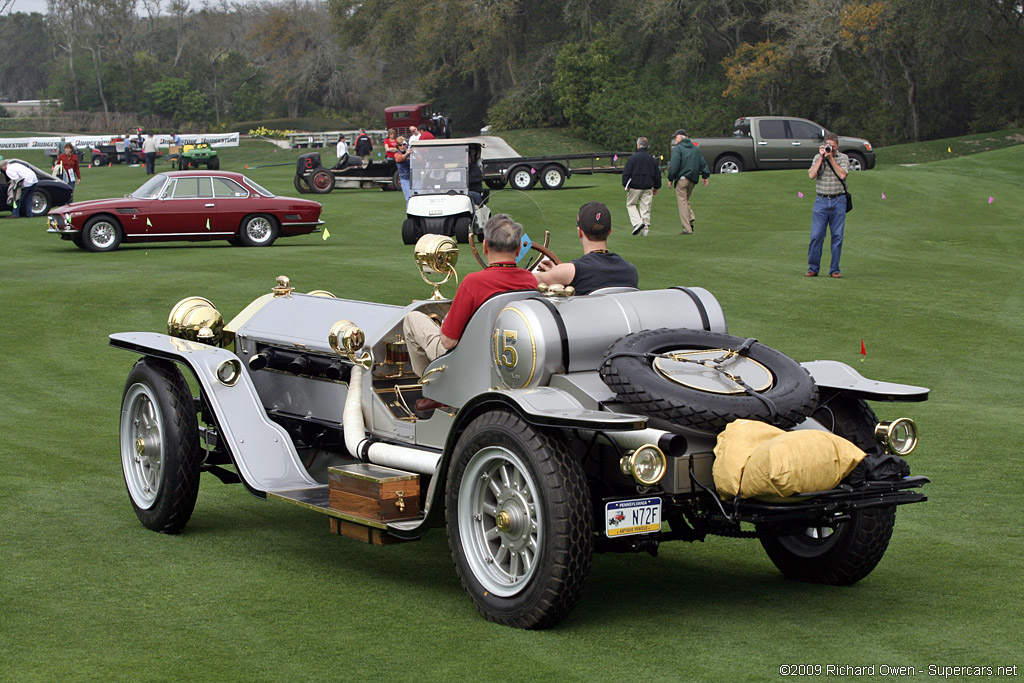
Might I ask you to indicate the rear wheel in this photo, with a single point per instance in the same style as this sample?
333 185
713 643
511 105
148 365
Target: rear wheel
552 177
258 231
101 233
729 164
847 552
160 454
321 181
522 177
97 161
519 521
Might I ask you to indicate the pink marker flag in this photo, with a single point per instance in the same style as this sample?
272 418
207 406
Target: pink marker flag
883 195
615 158
800 195
991 199
533 170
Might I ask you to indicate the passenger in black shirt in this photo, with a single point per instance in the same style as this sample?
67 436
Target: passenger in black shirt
598 267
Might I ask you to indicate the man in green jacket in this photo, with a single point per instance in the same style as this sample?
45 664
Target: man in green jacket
685 167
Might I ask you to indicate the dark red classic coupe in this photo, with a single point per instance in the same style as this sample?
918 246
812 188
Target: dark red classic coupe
187 205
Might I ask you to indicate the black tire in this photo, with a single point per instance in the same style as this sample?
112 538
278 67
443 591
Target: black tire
213 164
845 554
496 183
857 161
410 231
396 181
522 177
160 455
637 383
301 186
101 233
729 163
259 230
97 161
529 569
552 177
41 203
462 227
321 181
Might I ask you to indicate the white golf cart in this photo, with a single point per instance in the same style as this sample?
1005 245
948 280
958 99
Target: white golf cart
447 190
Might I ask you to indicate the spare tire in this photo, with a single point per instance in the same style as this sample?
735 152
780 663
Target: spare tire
685 389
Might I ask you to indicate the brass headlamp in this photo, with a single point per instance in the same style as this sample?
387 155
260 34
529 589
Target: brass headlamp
437 255
347 340
197 319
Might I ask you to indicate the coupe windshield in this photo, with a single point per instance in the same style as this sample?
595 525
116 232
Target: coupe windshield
436 170
151 188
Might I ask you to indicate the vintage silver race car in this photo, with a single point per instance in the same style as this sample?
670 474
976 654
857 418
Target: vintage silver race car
566 425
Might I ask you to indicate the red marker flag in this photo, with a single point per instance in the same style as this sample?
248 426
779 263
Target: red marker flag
863 351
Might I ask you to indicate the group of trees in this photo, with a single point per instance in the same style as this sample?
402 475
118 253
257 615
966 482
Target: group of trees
890 70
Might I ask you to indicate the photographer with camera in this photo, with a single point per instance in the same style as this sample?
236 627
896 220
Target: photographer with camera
829 170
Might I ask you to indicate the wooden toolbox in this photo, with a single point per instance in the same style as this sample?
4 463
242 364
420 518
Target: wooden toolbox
374 492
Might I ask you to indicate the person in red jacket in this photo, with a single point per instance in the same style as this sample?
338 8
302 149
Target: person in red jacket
66 168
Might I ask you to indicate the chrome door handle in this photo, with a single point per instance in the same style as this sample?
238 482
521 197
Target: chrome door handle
209 206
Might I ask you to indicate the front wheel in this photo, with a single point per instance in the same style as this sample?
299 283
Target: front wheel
519 523
496 183
160 453
41 203
101 234
522 177
410 231
461 231
729 164
857 162
213 164
301 186
258 231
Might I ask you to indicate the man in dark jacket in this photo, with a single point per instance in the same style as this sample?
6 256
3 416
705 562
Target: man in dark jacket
642 179
364 146
684 168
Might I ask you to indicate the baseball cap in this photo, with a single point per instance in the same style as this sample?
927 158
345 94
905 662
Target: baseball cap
594 217
681 131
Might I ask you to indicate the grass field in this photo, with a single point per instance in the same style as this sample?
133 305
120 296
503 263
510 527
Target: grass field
259 591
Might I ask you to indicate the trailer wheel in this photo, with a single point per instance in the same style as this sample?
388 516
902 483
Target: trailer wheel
160 453
522 177
729 164
496 183
519 521
552 177
321 181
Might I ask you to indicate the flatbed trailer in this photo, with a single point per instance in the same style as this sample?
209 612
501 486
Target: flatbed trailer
522 173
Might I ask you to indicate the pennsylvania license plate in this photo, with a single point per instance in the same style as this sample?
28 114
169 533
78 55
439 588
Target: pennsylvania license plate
627 517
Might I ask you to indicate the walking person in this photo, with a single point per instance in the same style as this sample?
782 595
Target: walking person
686 166
642 179
364 146
829 169
67 168
402 160
150 148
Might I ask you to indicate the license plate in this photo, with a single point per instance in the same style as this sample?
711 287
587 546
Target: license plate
628 517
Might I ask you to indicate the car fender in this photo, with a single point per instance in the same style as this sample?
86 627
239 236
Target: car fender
832 374
261 449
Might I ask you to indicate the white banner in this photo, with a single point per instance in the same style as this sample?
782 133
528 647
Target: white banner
51 143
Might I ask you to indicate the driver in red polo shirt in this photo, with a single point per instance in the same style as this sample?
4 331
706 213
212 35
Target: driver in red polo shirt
425 340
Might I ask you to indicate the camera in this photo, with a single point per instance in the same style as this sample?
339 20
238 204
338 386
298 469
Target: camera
828 149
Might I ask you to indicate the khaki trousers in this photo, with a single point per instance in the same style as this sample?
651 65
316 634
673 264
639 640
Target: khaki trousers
423 339
683 189
638 206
